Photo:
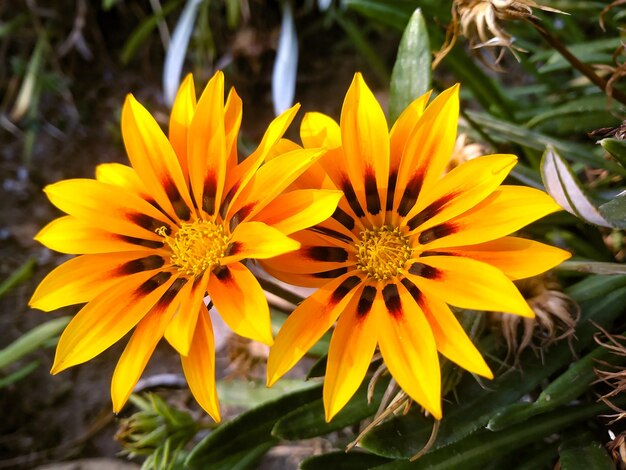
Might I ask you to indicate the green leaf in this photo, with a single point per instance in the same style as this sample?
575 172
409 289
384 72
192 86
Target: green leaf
566 189
394 13
243 460
308 420
19 374
21 274
482 447
249 430
403 436
595 267
353 460
595 287
583 452
615 211
617 148
318 369
249 393
32 340
411 76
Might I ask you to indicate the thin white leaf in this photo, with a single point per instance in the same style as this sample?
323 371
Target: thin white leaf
564 187
286 64
177 50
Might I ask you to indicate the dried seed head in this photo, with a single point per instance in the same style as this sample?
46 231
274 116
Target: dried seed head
464 151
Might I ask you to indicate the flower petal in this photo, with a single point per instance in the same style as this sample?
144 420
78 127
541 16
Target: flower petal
320 130
460 190
199 366
83 278
180 120
241 302
307 323
300 209
365 139
154 160
108 317
508 209
351 349
121 175
146 336
467 283
408 347
518 258
233 113
258 240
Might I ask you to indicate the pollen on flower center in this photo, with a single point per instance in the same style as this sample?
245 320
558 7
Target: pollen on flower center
382 252
196 246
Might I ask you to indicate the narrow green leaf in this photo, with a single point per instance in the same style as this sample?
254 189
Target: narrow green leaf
318 369
21 274
19 374
566 189
593 267
243 460
32 340
394 13
583 452
482 447
249 393
308 420
411 76
353 460
595 287
615 211
249 430
617 148
26 96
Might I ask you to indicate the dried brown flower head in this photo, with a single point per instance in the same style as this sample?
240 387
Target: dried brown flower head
556 317
246 357
464 151
480 21
617 449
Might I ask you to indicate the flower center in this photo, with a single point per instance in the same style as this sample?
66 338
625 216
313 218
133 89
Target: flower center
382 252
196 246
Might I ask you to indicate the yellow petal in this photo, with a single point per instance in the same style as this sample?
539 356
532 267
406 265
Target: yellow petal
107 318
121 175
460 190
257 240
408 348
300 209
320 130
233 111
509 208
518 258
365 139
307 323
240 301
350 352
180 120
402 128
154 159
83 278
467 283
199 366
206 147
146 336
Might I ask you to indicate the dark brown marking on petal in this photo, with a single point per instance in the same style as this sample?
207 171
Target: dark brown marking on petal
209 193
423 270
343 289
413 290
365 302
343 218
229 197
145 221
392 300
326 253
240 215
409 197
180 206
333 273
171 293
331 233
154 282
430 211
234 248
223 274
348 191
140 241
438 231
372 199
139 265
391 189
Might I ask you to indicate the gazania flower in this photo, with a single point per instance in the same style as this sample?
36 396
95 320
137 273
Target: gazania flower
405 241
155 237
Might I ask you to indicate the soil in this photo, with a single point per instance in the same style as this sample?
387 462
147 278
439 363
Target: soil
47 419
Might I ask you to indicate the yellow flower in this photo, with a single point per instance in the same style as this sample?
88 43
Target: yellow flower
405 241
155 237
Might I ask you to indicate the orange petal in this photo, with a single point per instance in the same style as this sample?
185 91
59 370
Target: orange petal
307 323
408 347
241 302
107 318
233 111
402 128
180 120
351 349
467 283
320 130
199 366
121 175
257 240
